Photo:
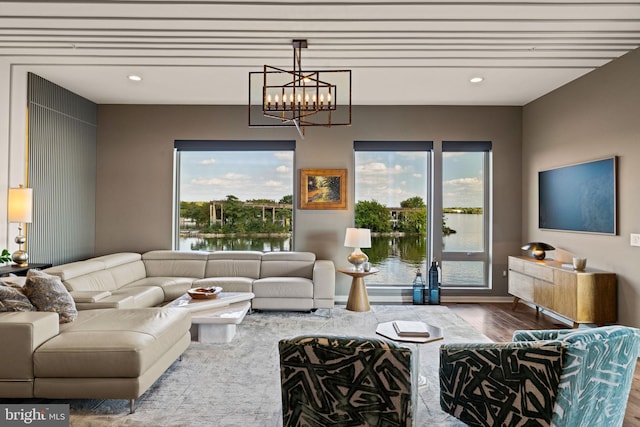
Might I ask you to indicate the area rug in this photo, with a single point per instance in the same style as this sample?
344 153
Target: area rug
238 384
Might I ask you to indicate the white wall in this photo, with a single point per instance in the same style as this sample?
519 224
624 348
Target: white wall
13 144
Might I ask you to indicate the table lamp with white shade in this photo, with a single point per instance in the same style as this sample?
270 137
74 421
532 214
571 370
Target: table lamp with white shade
20 211
357 238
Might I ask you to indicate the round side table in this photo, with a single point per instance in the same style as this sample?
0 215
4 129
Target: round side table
358 299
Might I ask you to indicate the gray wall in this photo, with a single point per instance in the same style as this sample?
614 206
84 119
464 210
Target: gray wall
593 117
135 168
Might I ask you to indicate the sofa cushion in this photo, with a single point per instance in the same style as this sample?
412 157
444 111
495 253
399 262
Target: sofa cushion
124 274
47 293
165 263
281 287
173 287
120 258
143 296
287 264
234 264
101 280
12 299
75 269
111 343
228 284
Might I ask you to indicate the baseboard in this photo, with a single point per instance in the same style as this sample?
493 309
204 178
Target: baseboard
399 299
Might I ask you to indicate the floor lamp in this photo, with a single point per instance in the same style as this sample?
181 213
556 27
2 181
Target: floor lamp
20 211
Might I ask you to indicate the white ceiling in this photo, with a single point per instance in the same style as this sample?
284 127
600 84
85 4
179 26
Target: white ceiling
404 52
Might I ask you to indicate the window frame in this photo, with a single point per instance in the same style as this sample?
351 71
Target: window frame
424 146
483 256
204 145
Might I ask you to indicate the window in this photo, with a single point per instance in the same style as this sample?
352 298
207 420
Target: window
391 194
234 195
465 211
397 188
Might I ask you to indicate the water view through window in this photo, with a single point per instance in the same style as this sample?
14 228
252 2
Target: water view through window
391 200
243 200
464 199
236 200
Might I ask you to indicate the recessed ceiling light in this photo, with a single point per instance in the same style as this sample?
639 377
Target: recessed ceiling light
134 78
476 79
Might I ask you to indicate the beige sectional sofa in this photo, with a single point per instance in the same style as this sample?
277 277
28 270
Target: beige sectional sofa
279 280
121 341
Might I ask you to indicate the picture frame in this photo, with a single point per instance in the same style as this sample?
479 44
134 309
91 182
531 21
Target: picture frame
581 197
323 189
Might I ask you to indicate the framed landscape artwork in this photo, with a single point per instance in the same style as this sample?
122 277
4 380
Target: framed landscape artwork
580 197
323 189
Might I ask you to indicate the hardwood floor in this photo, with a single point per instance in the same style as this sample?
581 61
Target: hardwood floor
498 322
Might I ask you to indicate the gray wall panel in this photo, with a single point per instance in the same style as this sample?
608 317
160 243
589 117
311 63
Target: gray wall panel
62 173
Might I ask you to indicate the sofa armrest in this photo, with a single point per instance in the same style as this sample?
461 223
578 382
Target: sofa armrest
22 333
324 280
499 383
89 296
112 301
541 335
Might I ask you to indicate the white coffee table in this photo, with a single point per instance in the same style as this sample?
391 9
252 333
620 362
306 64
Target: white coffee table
214 320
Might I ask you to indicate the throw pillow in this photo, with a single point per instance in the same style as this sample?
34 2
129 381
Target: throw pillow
47 293
12 299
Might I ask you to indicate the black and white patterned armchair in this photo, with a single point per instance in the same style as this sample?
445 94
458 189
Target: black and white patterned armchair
571 378
346 381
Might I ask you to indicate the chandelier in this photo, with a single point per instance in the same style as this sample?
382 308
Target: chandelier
299 97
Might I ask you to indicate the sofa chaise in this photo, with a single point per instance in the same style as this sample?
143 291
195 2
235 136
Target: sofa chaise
102 354
279 280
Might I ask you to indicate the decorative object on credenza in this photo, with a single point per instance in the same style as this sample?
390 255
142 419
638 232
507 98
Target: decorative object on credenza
538 249
323 189
579 264
20 211
418 288
357 238
299 97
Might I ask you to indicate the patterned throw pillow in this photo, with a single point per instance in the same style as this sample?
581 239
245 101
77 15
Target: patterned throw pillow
12 299
47 293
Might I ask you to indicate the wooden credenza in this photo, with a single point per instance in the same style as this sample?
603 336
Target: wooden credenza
588 296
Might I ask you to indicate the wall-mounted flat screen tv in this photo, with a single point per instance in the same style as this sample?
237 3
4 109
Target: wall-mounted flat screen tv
580 197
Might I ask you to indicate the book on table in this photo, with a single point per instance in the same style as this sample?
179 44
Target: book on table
406 328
